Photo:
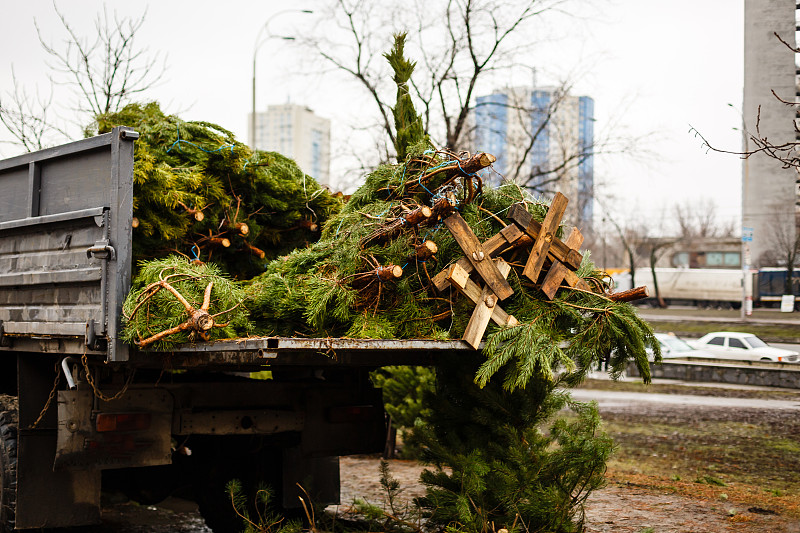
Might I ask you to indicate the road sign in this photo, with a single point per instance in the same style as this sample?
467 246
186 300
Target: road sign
747 234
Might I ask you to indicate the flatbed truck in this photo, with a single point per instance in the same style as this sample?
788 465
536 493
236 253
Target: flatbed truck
81 411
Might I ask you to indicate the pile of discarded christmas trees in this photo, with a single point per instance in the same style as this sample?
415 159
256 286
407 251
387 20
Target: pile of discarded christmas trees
423 250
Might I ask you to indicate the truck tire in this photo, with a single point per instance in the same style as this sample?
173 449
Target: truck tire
8 463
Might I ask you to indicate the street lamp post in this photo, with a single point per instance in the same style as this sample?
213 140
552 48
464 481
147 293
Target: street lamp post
260 41
747 233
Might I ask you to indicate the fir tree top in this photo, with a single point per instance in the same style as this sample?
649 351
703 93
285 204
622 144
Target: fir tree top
408 125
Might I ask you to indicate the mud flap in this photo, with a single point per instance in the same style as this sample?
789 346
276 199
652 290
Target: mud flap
134 430
49 499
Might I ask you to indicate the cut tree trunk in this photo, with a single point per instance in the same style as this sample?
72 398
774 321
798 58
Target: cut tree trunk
631 294
258 252
424 251
382 274
397 226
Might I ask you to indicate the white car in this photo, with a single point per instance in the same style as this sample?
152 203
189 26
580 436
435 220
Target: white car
673 346
742 347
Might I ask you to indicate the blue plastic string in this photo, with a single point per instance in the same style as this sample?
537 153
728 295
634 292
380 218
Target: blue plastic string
179 140
419 180
195 255
245 165
339 226
496 214
462 170
403 177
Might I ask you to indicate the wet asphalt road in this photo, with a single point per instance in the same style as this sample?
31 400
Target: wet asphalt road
622 399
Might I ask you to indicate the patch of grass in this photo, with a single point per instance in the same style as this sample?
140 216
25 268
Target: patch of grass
741 495
786 445
759 453
711 480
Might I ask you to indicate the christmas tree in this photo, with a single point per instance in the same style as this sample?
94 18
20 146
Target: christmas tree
200 193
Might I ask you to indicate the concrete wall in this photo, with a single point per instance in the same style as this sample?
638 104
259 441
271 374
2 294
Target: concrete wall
786 375
768 191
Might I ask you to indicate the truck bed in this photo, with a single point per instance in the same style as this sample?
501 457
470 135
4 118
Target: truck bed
296 351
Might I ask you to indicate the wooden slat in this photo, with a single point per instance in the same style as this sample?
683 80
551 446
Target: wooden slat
510 235
486 303
546 235
559 273
574 240
552 281
480 258
573 280
480 318
459 278
559 250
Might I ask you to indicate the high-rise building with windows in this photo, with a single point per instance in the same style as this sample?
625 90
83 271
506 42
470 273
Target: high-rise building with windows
543 139
298 133
770 193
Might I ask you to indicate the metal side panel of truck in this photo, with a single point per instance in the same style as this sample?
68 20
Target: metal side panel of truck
81 411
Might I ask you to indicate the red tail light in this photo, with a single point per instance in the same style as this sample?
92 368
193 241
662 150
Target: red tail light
352 413
123 421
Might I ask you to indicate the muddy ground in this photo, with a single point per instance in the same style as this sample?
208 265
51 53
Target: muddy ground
677 468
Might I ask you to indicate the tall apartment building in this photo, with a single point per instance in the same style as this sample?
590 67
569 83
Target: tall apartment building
296 132
542 138
770 193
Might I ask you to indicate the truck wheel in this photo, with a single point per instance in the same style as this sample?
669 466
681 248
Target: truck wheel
8 465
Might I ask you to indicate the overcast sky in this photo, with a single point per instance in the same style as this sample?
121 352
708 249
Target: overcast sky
651 67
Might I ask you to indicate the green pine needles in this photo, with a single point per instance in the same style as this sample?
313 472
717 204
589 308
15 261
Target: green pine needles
408 125
201 193
524 460
508 447
154 304
329 288
259 516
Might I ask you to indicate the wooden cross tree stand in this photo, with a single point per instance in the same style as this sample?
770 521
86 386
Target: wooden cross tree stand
551 258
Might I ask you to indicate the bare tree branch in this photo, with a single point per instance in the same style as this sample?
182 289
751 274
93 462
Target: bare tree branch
26 118
787 153
457 42
106 71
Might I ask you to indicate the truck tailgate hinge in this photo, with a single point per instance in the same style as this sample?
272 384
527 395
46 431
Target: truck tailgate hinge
93 342
102 250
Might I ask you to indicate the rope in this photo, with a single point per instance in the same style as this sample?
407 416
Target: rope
464 171
419 180
179 140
